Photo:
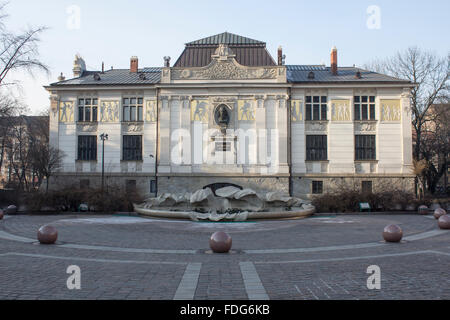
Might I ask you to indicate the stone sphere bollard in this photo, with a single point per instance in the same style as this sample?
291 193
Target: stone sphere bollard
439 212
47 235
423 209
220 242
444 222
12 209
392 233
1 214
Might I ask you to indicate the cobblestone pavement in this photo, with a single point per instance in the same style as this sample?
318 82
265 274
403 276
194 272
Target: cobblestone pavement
134 258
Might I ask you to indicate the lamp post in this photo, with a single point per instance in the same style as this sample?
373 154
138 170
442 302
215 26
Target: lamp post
103 137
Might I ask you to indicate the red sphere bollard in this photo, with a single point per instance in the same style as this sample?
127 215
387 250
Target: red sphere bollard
220 242
444 222
392 233
439 212
47 235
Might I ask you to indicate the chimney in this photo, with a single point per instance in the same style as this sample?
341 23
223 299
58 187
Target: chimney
134 64
334 63
280 56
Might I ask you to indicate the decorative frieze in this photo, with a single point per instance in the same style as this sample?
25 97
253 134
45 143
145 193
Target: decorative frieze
109 111
340 110
365 126
316 126
132 127
150 111
246 110
87 127
199 110
296 110
390 110
66 111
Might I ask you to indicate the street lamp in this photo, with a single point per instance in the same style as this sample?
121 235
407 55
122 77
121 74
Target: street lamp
103 137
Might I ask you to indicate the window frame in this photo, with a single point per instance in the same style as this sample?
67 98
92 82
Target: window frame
369 111
321 148
93 115
365 152
317 187
316 109
133 112
128 150
90 149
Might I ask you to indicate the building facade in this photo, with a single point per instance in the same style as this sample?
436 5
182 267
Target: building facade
227 113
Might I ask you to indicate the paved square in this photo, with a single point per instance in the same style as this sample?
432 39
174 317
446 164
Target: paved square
135 258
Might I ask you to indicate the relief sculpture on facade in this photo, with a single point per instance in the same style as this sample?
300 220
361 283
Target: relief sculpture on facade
340 110
109 111
297 110
390 110
66 111
150 112
246 110
199 111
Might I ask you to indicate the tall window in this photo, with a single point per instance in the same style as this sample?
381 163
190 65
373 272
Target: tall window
87 110
316 148
364 107
316 108
87 148
132 109
132 147
365 147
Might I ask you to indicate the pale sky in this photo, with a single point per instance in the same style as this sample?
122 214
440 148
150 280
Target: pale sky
113 31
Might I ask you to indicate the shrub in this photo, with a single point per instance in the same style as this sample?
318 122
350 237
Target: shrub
347 200
70 199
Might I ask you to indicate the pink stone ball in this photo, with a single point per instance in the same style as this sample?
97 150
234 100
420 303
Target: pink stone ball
392 233
47 235
220 242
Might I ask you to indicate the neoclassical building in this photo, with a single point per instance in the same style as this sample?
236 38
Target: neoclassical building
227 113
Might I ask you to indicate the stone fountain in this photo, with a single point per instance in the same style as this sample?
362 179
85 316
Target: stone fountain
226 204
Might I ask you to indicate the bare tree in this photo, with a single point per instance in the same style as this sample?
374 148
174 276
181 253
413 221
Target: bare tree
19 51
46 160
431 74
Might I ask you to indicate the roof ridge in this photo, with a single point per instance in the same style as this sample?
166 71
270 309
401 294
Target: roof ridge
226 38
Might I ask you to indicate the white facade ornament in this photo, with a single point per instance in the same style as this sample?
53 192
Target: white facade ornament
150 111
340 110
225 67
109 111
199 111
390 110
66 109
296 110
246 110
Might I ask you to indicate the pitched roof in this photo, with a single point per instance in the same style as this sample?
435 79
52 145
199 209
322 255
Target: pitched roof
300 74
115 77
225 38
249 56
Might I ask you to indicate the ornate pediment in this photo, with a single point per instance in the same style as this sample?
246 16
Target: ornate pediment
225 67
